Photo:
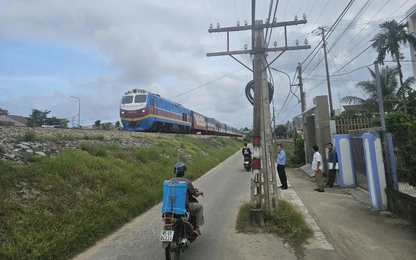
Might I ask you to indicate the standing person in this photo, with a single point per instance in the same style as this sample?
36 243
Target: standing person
318 167
281 164
332 163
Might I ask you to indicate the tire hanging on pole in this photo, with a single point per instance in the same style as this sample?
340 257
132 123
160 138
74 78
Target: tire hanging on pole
250 86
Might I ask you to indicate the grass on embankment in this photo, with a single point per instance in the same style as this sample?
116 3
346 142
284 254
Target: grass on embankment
54 208
285 221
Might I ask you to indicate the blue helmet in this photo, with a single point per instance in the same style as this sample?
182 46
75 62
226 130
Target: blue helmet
179 169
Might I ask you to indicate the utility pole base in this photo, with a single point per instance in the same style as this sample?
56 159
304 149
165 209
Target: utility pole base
256 217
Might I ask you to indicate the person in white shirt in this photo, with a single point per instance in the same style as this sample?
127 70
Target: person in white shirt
317 166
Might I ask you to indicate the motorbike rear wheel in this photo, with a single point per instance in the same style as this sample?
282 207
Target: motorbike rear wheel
173 250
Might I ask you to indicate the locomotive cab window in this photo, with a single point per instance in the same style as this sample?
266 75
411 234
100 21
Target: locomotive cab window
127 99
140 99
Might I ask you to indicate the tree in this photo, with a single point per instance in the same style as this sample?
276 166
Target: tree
97 124
64 123
52 121
389 89
37 118
280 130
389 40
118 126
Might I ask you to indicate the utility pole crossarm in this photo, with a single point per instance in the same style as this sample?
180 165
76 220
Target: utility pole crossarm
254 51
259 26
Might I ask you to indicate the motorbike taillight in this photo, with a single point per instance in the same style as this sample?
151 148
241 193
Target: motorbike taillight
169 221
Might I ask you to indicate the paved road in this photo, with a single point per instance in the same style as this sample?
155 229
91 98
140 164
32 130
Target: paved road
225 187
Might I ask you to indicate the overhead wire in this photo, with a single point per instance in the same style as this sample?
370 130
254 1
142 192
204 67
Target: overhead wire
268 18
274 16
369 34
359 13
334 25
203 85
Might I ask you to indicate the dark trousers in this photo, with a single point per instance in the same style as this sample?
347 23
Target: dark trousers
331 178
282 175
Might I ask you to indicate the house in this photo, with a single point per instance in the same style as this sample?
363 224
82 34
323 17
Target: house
11 120
296 123
357 108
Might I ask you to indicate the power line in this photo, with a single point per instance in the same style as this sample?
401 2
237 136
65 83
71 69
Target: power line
334 25
206 84
360 12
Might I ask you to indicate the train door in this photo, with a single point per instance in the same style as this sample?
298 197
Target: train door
152 106
184 117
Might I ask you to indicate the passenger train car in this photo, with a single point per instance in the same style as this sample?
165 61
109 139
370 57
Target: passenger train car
141 110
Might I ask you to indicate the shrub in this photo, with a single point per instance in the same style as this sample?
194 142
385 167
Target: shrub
29 136
298 156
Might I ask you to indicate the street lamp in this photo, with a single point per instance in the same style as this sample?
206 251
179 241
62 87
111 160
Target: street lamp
79 111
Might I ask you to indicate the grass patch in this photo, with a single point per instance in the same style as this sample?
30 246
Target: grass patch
94 149
54 208
93 137
286 221
28 136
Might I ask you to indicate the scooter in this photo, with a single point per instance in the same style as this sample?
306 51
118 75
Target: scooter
247 163
178 231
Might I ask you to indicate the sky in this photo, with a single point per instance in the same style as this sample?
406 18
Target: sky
96 50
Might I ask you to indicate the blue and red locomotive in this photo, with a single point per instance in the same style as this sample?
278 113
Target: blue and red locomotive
141 110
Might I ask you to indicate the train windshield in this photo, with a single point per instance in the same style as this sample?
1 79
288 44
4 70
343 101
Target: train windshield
140 99
127 99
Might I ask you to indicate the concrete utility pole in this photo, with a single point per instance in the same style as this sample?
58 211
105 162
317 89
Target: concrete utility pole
303 106
263 181
327 72
302 94
383 128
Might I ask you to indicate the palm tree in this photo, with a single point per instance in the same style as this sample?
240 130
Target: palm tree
389 89
389 40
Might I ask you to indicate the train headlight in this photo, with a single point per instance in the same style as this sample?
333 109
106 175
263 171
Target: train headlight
122 112
143 110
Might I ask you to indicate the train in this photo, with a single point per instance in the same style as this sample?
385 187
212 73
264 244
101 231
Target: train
143 111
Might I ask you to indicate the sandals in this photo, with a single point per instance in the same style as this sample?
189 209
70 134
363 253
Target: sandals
197 232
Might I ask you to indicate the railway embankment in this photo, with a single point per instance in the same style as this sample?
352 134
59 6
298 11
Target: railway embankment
16 143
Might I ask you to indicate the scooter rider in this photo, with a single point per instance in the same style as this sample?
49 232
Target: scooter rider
194 207
246 151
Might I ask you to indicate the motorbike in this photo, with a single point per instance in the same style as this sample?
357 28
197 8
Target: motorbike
178 230
247 162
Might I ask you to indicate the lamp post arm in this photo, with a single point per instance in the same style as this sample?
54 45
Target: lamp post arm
79 111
